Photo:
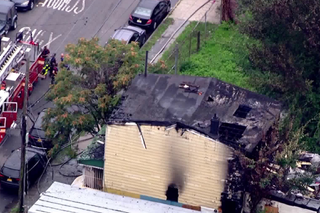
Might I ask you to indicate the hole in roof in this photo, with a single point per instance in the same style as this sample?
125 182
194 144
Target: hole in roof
231 132
242 111
209 98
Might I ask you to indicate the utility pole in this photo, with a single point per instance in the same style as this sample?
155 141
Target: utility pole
23 138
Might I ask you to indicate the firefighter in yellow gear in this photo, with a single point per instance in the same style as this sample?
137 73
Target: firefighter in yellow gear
45 69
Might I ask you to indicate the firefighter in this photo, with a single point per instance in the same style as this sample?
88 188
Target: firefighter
62 57
53 63
64 64
45 69
54 73
45 52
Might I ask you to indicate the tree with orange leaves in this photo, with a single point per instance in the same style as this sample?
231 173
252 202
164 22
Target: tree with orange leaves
85 95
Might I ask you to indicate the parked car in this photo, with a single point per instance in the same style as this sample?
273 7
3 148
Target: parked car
130 34
24 4
37 136
36 161
8 17
149 13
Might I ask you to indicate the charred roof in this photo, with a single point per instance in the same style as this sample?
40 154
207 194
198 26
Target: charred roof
243 116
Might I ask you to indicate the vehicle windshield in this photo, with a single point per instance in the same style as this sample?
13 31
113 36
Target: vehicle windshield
143 11
11 172
3 17
38 123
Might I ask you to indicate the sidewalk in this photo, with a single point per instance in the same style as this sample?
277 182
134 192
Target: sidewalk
180 14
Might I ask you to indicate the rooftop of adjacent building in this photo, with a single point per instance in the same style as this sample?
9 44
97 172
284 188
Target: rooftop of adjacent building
66 198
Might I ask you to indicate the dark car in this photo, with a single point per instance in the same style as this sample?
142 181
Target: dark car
37 136
36 161
130 34
149 13
24 4
8 17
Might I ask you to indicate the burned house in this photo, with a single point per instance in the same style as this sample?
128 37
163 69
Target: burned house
172 138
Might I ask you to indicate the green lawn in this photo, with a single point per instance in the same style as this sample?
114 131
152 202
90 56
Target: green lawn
222 54
187 42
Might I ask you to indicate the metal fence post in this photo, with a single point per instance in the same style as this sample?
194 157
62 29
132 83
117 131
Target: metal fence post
146 64
176 59
198 41
205 24
190 38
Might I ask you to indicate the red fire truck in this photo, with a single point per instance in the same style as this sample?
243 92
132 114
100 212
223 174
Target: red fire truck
12 80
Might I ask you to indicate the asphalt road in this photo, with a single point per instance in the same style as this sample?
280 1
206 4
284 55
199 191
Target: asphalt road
57 25
56 28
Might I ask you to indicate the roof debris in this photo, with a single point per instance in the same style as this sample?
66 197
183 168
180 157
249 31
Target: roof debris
191 102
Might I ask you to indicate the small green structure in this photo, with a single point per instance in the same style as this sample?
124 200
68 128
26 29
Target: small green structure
94 154
92 160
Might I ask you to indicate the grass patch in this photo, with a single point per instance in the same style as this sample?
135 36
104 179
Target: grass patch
222 55
15 209
157 34
187 41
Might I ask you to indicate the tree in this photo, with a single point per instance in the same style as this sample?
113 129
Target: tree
285 58
228 10
85 96
267 170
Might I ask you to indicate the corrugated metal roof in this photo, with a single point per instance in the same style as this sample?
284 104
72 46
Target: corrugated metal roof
62 198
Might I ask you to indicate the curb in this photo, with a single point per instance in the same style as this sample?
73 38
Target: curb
155 57
163 21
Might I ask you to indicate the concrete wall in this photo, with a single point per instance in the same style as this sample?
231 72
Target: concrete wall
196 162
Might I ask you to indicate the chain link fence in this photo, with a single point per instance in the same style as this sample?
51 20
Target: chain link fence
189 42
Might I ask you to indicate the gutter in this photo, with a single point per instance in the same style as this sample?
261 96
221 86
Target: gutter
293 200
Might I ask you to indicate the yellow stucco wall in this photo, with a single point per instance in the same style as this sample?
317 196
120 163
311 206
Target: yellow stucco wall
131 168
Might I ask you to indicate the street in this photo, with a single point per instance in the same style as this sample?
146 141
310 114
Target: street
54 25
56 28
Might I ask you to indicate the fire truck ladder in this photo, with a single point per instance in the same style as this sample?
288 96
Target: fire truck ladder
11 56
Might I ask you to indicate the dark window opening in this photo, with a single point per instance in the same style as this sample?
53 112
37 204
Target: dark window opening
242 111
172 193
231 132
210 98
230 206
